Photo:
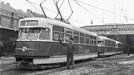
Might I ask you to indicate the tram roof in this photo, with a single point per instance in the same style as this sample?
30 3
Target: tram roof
118 42
59 23
105 38
97 25
8 28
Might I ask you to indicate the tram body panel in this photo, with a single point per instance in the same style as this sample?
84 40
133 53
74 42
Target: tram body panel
32 48
45 52
47 49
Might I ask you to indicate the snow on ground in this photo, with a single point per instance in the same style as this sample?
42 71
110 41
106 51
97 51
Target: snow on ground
114 65
6 60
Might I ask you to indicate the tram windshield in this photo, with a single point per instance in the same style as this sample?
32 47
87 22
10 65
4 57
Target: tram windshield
34 33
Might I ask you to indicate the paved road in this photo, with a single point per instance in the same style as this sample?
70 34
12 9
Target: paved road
113 65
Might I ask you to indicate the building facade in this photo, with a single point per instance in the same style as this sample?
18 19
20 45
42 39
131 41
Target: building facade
9 17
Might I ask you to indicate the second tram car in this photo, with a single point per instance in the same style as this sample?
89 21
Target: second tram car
107 46
38 41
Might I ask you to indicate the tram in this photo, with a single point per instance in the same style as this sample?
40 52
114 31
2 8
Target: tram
8 38
107 46
38 41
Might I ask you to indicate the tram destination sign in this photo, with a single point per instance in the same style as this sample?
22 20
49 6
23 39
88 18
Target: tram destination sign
28 23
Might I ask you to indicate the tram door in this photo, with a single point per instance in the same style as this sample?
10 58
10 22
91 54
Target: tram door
130 40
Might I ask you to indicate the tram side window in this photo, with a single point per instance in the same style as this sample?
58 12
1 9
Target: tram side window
94 40
58 33
106 43
57 36
45 34
91 40
109 43
82 34
86 39
58 28
68 33
81 39
113 43
76 37
76 33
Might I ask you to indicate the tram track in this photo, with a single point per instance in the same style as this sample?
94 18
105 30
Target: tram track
13 70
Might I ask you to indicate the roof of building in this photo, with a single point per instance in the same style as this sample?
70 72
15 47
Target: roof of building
104 25
6 7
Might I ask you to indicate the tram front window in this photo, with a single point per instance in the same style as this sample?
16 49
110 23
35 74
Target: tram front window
23 33
45 34
34 33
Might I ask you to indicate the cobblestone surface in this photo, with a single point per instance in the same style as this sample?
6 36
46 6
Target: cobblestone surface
113 65
6 60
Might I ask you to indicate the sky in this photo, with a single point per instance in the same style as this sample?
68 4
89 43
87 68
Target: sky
97 11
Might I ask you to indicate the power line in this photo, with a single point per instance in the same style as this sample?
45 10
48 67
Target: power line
97 7
43 7
87 10
33 5
101 9
77 21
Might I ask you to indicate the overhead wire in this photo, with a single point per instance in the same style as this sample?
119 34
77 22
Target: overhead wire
102 9
43 7
60 7
97 7
77 21
33 5
71 10
87 11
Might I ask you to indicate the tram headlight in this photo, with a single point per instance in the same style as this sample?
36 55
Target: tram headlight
24 48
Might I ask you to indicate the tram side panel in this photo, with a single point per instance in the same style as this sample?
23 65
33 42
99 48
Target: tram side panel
8 41
48 49
33 49
40 49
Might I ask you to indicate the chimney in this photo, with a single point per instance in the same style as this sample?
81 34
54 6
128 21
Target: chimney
7 4
12 19
2 2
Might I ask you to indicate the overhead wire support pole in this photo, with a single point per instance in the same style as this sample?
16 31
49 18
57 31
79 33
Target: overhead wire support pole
71 10
43 9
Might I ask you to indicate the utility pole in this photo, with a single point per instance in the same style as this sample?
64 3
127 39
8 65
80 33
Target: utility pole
115 27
